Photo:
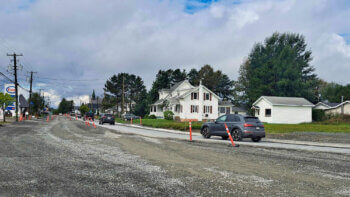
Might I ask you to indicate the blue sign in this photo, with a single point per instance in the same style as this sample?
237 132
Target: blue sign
10 108
11 90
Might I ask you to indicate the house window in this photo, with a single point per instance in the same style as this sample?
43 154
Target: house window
178 108
194 96
194 108
207 109
268 112
222 110
206 96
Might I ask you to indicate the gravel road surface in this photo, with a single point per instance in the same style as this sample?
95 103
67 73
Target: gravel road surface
66 158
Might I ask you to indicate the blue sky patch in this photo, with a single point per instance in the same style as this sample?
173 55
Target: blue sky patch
193 6
346 37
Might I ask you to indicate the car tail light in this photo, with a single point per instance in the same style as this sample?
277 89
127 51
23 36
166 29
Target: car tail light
247 125
262 126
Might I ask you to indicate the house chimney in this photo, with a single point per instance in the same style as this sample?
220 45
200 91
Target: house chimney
200 82
342 99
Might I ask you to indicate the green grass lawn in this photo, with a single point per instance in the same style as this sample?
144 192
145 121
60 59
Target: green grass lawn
269 128
307 127
167 124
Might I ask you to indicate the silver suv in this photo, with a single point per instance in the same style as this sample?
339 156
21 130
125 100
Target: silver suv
240 126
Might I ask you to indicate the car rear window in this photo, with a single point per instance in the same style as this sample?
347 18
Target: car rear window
251 119
109 115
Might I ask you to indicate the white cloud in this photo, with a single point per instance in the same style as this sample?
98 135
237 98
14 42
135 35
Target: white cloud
85 39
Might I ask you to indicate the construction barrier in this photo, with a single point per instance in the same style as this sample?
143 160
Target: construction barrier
190 124
47 119
93 123
229 135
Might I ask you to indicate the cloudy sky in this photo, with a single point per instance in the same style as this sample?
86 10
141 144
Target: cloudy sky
75 45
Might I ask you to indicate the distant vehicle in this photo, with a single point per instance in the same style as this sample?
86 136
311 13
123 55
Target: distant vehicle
60 114
107 118
72 114
240 126
89 115
130 116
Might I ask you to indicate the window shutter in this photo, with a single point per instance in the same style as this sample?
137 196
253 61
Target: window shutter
203 96
192 96
203 108
210 96
191 108
211 109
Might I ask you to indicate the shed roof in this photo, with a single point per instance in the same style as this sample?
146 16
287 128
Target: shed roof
288 101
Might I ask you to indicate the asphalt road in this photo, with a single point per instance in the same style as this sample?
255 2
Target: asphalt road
281 144
67 158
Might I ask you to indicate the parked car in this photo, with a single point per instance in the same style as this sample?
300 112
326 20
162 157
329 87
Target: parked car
130 116
107 118
240 126
89 115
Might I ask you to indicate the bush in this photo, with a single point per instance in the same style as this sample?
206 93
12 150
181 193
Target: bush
150 117
168 115
318 115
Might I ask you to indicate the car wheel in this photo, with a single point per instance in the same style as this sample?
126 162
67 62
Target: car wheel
224 137
236 135
101 123
206 132
256 139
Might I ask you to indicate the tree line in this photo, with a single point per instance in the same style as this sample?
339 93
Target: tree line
279 66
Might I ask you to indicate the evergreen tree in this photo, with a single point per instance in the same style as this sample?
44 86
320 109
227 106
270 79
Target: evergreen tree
93 96
278 67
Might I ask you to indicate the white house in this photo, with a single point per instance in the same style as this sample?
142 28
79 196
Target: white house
340 109
325 105
287 110
187 102
227 107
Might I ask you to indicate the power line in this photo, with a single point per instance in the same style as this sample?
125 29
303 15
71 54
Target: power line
56 79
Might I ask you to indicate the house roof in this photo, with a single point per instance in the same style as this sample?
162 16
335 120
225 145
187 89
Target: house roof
339 104
176 85
242 108
225 102
287 101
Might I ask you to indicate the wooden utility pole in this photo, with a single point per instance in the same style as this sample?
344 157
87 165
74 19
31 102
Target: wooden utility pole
30 91
14 55
123 96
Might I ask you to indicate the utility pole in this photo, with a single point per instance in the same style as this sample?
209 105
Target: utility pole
14 55
123 96
30 91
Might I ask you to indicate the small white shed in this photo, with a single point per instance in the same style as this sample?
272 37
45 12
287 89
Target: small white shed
284 110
